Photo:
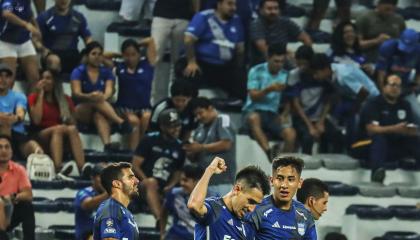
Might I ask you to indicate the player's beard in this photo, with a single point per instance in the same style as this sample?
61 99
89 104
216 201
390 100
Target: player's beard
131 192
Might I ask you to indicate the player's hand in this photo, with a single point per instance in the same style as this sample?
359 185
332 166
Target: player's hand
218 165
382 37
320 126
31 28
314 132
40 85
97 96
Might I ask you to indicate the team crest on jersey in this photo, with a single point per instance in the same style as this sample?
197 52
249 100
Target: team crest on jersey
301 228
109 222
401 114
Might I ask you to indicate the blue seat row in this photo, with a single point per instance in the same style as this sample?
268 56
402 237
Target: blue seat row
376 212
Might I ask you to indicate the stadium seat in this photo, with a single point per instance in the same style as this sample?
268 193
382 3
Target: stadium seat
341 189
63 232
110 5
408 190
310 161
45 206
409 164
128 30
338 161
95 156
370 212
405 212
55 184
149 233
65 204
371 189
401 236
78 184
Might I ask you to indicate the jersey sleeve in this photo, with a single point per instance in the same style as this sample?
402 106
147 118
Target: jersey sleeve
197 26
253 223
7 5
223 128
76 75
213 210
80 197
84 30
293 29
257 31
21 101
384 55
253 83
24 182
32 99
110 228
108 75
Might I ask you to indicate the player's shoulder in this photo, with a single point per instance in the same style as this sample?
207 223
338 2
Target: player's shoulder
110 209
265 207
301 210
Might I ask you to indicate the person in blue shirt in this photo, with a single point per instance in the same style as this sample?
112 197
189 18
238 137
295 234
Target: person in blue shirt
175 204
214 42
279 216
314 194
86 202
13 107
61 26
135 75
18 27
402 56
113 221
159 158
92 86
266 84
220 218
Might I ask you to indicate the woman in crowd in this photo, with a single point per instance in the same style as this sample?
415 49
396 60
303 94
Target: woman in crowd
92 87
52 115
17 27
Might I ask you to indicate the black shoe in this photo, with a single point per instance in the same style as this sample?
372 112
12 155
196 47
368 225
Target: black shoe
86 170
125 127
378 175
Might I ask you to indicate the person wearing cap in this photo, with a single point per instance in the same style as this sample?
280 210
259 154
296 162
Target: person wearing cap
158 159
13 108
86 202
402 56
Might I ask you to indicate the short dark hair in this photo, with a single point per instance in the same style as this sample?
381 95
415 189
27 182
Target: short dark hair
283 161
112 172
262 2
200 102
130 43
389 76
304 52
311 187
393 2
3 136
183 87
335 236
320 61
276 49
254 177
193 171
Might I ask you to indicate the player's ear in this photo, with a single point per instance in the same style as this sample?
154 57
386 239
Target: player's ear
300 183
116 184
271 180
237 188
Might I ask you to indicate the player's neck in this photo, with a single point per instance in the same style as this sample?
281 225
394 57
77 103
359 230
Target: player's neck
121 198
282 204
227 199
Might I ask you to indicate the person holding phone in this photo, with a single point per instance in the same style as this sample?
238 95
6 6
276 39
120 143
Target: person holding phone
266 84
388 122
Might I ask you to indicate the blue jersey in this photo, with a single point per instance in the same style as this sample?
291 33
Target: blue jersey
81 74
219 223
394 61
83 218
216 40
61 33
113 220
269 222
183 223
9 104
10 32
134 88
259 78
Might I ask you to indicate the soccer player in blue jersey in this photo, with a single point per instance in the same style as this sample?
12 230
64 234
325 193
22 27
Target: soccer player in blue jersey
113 220
279 216
221 218
314 195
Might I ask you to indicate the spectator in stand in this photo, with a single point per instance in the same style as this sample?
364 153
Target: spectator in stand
52 118
266 84
345 47
158 160
270 28
402 57
175 204
378 25
15 194
314 195
170 20
92 86
214 43
135 75
182 91
312 102
387 123
86 202
132 10
18 27
215 136
61 26
12 113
